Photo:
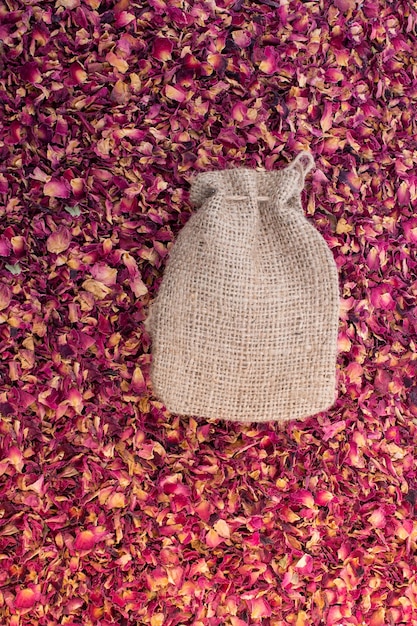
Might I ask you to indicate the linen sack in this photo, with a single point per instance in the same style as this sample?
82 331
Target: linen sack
245 323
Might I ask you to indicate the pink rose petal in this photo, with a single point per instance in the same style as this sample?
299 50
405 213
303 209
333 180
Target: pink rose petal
304 497
377 519
85 540
242 38
26 598
269 64
259 608
57 189
305 564
5 296
5 246
104 274
410 230
175 93
59 241
15 457
381 298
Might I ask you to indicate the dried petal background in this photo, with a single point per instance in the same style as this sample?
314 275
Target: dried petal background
112 511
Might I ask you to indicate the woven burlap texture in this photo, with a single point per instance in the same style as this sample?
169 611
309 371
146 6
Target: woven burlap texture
244 327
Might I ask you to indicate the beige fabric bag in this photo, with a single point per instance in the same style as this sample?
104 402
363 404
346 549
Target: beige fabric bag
245 323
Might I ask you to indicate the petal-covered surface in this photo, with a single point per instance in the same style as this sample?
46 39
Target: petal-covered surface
113 511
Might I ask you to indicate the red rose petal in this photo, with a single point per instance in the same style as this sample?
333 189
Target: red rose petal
162 49
5 296
25 599
85 540
30 73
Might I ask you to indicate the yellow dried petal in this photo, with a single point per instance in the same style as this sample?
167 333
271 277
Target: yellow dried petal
222 528
98 289
116 501
117 62
343 226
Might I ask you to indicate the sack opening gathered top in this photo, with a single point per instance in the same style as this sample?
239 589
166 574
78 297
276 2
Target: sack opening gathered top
244 327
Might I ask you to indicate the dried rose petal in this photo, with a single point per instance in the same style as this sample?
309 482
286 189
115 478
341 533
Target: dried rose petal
5 246
25 598
15 458
162 49
138 381
97 288
18 245
104 273
381 298
378 617
30 72
259 608
377 519
175 93
222 529
59 241
120 64
323 497
5 296
242 38
239 111
345 5
116 501
77 73
57 189
269 64
85 540
304 497
410 230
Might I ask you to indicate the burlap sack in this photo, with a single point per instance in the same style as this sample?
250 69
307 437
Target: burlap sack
245 323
